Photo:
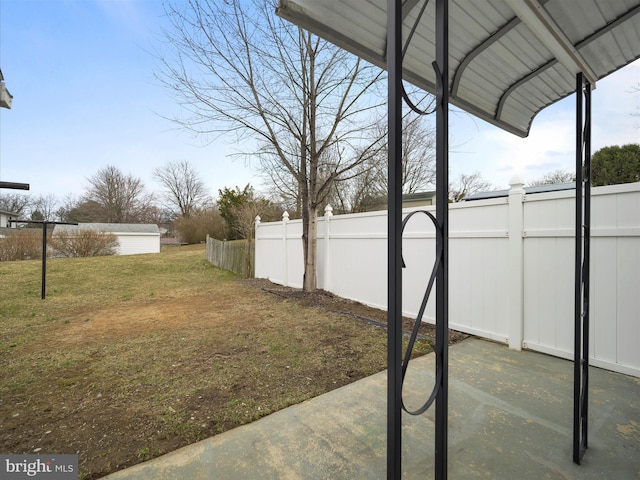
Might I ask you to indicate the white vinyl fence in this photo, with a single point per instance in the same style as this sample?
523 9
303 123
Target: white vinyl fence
511 268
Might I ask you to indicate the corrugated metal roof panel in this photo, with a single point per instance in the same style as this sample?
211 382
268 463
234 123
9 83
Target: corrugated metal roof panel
504 67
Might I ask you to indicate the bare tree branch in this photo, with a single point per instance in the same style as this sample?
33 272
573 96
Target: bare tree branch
556 176
118 198
468 184
307 107
184 191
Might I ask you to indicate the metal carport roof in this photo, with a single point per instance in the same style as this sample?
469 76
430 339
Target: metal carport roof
508 59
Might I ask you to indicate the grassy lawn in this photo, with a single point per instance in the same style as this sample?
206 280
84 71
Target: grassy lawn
131 357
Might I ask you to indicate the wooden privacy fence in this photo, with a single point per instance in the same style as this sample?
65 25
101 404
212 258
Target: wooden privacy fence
511 268
231 255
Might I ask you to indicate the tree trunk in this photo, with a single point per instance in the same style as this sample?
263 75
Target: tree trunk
310 283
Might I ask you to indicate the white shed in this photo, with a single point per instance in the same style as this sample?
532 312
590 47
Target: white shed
5 217
133 238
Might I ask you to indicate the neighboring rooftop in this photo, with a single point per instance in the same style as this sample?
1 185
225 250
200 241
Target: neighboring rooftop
528 190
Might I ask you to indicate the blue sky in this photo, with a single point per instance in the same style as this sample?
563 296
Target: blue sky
81 73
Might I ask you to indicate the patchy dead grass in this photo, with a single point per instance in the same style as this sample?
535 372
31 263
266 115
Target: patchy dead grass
132 357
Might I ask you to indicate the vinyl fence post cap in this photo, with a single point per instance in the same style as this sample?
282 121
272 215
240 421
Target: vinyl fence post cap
516 182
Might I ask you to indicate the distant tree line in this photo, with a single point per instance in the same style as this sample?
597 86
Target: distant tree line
187 210
609 166
183 206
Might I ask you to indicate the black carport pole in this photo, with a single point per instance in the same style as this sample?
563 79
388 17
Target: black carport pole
394 244
442 215
582 261
394 252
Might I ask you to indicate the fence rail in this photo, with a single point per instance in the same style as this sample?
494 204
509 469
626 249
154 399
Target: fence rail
510 268
231 255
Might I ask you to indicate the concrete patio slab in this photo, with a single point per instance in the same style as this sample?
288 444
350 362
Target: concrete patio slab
510 416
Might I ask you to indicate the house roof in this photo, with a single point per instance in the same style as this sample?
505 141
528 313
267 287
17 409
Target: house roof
113 228
7 212
413 197
556 187
508 59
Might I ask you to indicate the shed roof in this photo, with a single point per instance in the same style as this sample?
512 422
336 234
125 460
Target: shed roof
113 227
508 59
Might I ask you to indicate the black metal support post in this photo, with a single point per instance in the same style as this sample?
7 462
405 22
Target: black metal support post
43 290
582 257
442 216
394 246
396 367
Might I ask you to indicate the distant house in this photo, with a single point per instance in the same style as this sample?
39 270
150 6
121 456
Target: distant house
5 217
419 199
554 187
133 238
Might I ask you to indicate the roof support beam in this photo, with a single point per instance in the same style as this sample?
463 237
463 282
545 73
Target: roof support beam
533 14
457 77
14 185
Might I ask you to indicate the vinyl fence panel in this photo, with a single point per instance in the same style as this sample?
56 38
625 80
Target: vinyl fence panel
511 269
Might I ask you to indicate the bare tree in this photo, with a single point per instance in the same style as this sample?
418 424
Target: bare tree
468 184
79 209
418 156
151 213
306 105
184 191
44 207
367 186
120 198
14 202
554 177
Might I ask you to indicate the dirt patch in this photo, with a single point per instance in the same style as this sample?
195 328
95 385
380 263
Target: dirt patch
334 304
143 318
